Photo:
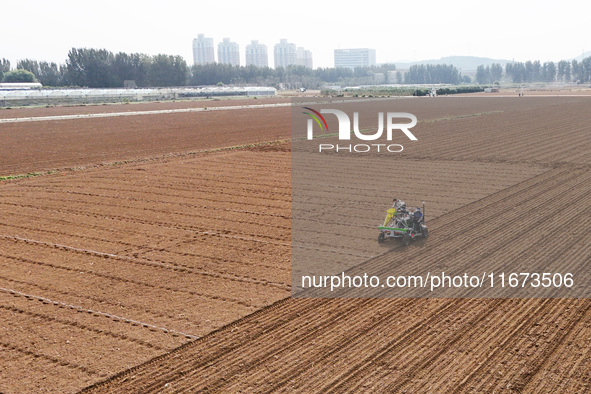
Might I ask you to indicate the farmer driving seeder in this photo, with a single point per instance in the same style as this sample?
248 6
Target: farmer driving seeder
404 224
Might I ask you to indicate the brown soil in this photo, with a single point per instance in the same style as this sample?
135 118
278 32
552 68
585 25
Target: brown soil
105 272
416 345
25 112
69 143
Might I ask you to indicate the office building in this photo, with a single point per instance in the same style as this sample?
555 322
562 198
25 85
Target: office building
351 58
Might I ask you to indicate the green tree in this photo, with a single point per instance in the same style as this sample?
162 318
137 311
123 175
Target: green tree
29 65
65 77
91 67
133 66
536 72
482 75
517 71
19 75
549 72
586 69
4 67
563 71
49 74
432 73
576 71
496 72
529 71
509 70
167 70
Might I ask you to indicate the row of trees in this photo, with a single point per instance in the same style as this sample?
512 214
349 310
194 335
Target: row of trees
49 74
290 76
489 74
101 68
4 68
564 71
535 71
299 76
434 73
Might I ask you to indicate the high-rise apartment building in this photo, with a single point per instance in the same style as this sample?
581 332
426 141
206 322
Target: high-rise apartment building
256 54
228 52
203 50
303 57
285 53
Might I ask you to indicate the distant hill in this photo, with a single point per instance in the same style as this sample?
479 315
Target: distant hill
464 63
581 56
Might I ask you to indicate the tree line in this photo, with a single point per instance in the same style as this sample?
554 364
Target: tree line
290 77
564 71
535 71
100 68
434 74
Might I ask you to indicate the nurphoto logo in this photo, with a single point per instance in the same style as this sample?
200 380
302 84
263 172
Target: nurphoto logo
345 130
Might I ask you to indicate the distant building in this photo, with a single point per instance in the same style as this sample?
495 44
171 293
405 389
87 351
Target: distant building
256 54
357 57
379 78
203 50
228 52
285 53
303 57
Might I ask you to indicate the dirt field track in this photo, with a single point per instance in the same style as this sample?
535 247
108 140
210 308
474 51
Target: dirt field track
172 272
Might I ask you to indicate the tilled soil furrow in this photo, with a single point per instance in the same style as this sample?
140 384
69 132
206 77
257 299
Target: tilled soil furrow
418 353
567 368
142 286
111 326
336 356
171 266
521 358
89 304
486 220
483 216
154 217
155 208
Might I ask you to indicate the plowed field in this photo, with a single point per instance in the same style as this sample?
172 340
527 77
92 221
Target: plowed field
6 113
172 273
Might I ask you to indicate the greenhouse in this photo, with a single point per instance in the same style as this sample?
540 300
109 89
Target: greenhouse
87 96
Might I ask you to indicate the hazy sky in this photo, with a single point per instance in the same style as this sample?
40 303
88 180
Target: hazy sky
398 30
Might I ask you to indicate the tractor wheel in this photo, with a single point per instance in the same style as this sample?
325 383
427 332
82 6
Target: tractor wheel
406 240
381 238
